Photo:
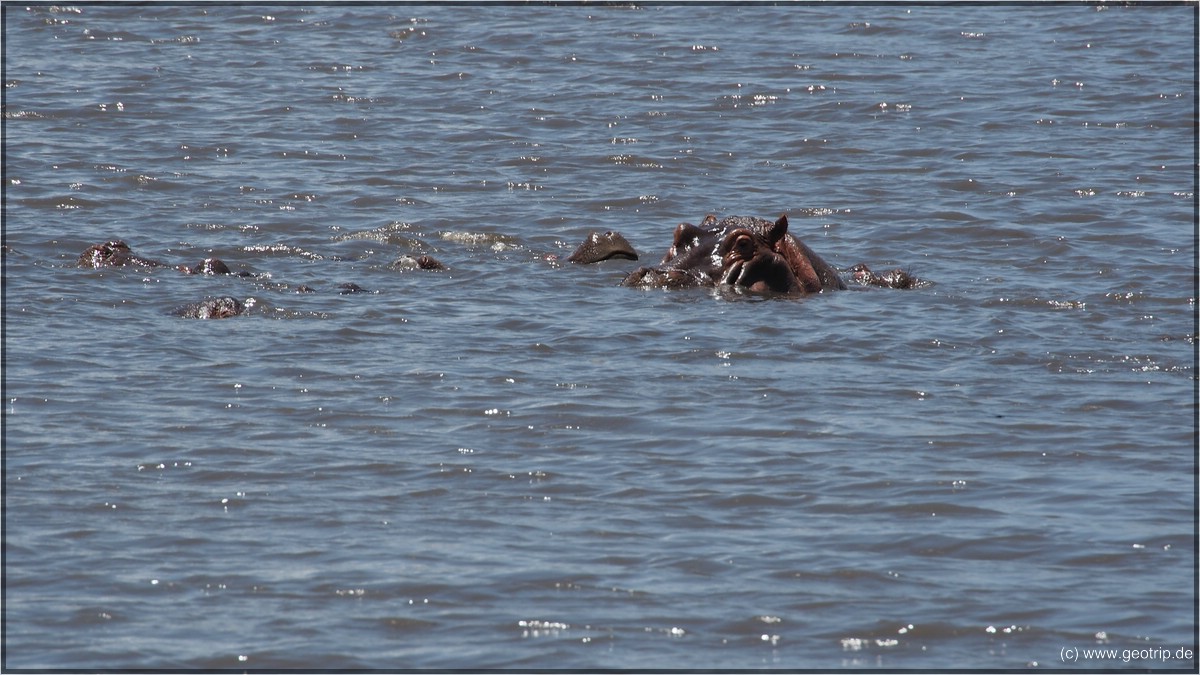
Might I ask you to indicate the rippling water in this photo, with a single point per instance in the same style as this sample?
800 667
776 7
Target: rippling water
516 463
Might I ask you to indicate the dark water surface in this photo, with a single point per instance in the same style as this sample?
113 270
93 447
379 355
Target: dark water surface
516 463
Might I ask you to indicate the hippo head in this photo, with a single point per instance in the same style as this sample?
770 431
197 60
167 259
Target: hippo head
742 252
109 253
114 253
598 247
424 262
749 259
213 308
209 266
897 278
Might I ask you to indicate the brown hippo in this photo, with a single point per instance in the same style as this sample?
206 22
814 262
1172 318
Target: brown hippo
751 253
598 247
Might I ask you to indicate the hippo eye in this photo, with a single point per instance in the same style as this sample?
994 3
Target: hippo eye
744 245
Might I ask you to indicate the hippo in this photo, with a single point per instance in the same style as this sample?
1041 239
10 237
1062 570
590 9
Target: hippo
752 254
743 252
607 246
896 278
209 266
424 262
213 308
114 253
351 288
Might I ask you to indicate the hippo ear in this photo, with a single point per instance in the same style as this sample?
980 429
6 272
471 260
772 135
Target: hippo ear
709 222
776 231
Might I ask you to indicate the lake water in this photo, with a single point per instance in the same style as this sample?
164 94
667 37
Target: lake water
517 463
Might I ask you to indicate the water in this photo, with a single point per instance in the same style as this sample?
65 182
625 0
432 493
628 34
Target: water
516 463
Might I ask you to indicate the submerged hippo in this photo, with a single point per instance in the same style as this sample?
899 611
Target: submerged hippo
213 308
209 266
598 247
424 262
114 253
896 278
751 253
